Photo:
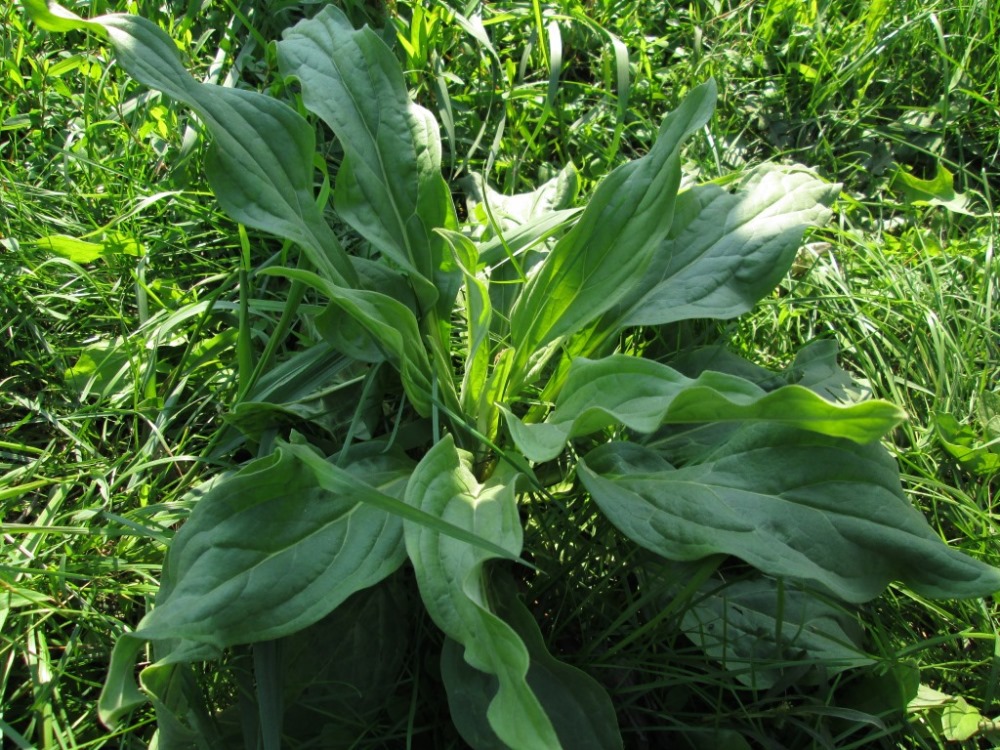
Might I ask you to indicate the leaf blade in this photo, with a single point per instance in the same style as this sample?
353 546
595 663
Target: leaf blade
595 264
643 395
390 187
730 250
793 504
260 166
230 584
450 578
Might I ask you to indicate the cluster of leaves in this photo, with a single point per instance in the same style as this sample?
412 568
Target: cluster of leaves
463 374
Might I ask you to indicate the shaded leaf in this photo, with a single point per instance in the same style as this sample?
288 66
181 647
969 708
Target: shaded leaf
793 504
764 635
274 548
342 670
391 329
815 367
580 709
882 691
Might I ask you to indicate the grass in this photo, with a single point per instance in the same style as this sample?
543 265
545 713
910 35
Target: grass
115 373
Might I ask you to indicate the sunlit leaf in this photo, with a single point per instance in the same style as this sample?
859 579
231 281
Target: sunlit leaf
452 585
389 187
642 395
83 251
727 250
972 451
937 191
261 163
596 264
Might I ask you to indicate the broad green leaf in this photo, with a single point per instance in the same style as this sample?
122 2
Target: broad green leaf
763 634
227 582
333 479
976 454
183 720
342 670
815 367
53 17
793 504
82 251
596 264
390 187
726 251
961 721
642 395
883 690
120 694
937 191
277 546
580 709
107 369
450 575
261 163
391 325
952 716
469 694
